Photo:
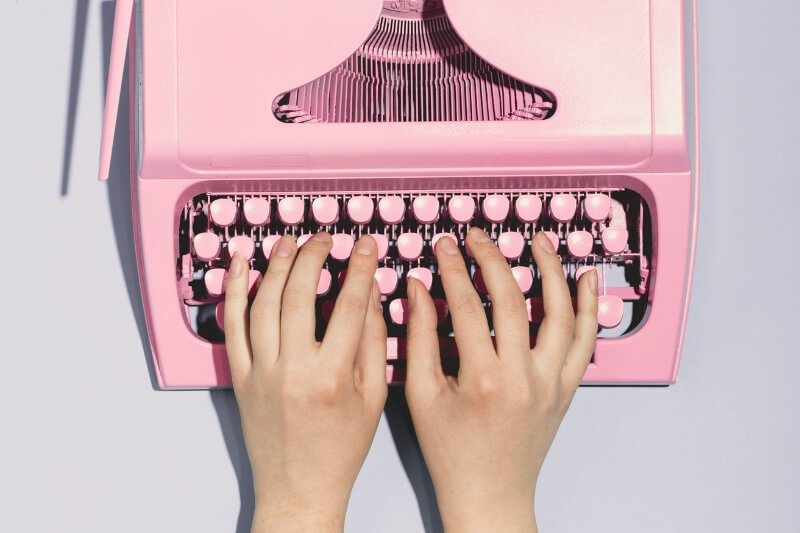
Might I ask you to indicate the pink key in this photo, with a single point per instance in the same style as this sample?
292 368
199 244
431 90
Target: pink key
422 274
398 310
409 246
256 211
291 211
563 207
325 210
480 284
615 240
511 244
495 208
609 311
325 280
583 270
223 212
220 314
461 209
206 246
327 309
528 208
383 245
387 280
392 209
215 281
441 235
342 246
524 277
242 244
360 209
426 209
580 244
442 310
268 244
597 207
554 239
302 239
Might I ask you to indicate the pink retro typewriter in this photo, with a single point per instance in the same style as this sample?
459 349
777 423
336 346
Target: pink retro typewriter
412 121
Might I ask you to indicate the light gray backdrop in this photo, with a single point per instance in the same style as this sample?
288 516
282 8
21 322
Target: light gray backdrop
87 445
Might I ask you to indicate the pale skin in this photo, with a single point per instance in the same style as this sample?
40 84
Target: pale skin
310 408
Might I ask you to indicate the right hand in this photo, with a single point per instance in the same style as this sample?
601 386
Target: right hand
485 434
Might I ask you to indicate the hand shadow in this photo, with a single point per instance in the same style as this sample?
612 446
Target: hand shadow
224 401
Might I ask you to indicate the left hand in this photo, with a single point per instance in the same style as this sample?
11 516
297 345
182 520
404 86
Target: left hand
309 409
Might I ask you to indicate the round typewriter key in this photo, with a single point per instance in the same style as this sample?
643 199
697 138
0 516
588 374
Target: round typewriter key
398 310
291 211
256 211
342 246
580 244
223 212
426 209
215 281
609 311
422 274
392 209
409 246
242 244
495 208
360 209
563 207
524 277
207 246
325 210
528 208
615 240
461 209
555 240
387 280
383 245
268 244
511 244
597 207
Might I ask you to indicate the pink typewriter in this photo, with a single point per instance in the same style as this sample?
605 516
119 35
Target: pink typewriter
412 121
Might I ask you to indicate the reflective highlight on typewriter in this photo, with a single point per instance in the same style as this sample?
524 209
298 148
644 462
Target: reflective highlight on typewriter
414 68
607 230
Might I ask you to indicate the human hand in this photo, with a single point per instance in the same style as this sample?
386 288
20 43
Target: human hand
485 434
309 409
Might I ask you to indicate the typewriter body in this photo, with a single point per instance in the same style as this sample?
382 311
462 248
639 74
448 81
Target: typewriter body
411 121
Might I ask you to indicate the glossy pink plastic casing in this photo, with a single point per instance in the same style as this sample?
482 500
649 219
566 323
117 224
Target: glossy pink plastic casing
208 76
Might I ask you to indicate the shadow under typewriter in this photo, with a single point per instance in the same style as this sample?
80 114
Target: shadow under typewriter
607 230
414 67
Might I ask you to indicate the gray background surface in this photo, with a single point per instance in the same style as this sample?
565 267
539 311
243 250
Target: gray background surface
87 445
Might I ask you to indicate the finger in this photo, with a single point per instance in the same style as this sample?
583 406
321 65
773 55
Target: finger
470 326
347 321
509 312
424 370
265 314
298 307
371 357
237 342
557 327
585 337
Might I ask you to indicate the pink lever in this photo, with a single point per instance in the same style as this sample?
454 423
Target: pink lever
409 246
242 244
325 210
268 244
609 311
563 207
495 208
291 211
597 207
422 274
615 240
256 211
524 277
511 244
383 245
360 209
206 246
461 209
387 280
528 208
325 281
580 244
392 209
426 209
398 310
223 212
342 246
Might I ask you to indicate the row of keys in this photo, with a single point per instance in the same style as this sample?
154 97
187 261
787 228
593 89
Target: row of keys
411 246
426 209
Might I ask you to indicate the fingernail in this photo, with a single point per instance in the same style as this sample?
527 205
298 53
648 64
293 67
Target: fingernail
376 296
593 280
237 265
284 247
448 247
545 244
478 235
322 237
365 246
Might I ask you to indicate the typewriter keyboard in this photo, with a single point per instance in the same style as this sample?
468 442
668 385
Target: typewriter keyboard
605 229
